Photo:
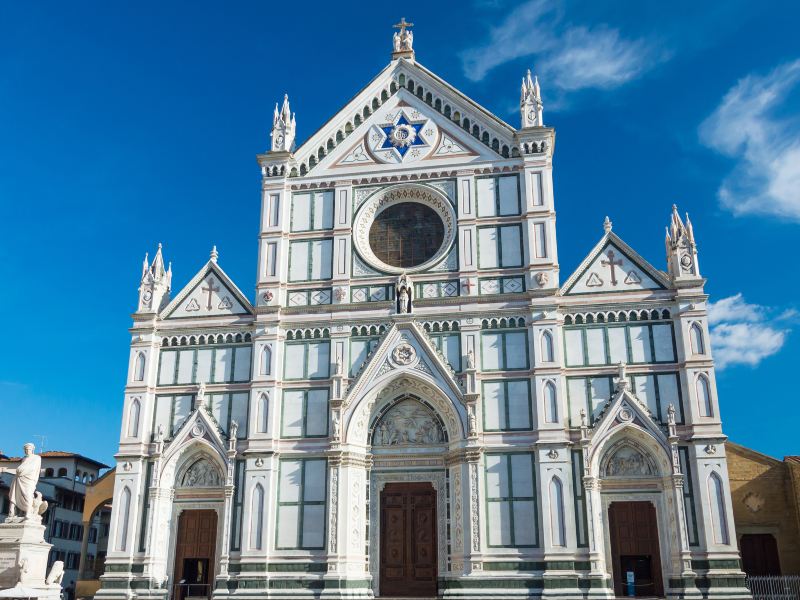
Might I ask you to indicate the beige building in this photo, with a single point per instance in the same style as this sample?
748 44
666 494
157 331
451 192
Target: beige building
766 510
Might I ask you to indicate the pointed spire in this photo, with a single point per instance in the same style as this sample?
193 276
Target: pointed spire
530 103
607 225
283 127
681 249
155 283
157 268
214 254
145 265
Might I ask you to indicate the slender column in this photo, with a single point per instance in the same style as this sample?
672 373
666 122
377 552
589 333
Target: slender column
473 461
84 549
227 510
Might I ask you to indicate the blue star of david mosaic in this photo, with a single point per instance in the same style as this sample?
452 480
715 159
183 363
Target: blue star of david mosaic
393 132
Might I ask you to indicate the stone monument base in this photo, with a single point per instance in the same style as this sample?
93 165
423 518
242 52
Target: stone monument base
23 557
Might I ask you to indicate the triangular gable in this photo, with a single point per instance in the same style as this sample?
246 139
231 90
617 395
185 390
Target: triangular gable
404 347
346 129
210 293
625 410
612 267
198 426
430 137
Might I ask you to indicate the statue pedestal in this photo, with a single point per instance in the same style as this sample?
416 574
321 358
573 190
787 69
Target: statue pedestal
23 557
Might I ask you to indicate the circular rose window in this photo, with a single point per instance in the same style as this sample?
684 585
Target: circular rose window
406 235
405 228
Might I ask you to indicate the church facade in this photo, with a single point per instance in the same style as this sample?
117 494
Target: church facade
415 403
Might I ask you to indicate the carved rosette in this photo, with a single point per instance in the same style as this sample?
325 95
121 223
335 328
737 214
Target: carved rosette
397 194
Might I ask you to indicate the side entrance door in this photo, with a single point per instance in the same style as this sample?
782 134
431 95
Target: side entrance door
408 540
195 550
635 549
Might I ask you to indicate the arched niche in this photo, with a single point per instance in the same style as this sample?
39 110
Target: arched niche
197 453
361 412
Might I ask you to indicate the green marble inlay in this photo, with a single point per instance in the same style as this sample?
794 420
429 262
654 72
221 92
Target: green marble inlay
517 584
704 565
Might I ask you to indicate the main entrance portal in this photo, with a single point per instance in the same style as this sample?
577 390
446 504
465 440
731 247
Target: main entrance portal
635 549
194 554
408 540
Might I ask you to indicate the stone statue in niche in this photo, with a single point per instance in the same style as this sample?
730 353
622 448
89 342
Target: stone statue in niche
628 462
408 423
24 501
404 294
201 474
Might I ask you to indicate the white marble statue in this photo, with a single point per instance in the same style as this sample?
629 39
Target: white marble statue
21 495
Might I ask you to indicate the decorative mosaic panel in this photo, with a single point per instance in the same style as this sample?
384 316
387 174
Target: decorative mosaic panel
309 297
438 289
501 285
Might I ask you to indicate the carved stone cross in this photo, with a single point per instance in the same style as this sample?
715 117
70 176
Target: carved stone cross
402 25
612 263
210 289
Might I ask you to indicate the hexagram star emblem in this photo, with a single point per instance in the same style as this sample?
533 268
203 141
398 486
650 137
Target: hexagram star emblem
403 135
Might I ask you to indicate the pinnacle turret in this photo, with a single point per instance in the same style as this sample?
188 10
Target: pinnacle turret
530 102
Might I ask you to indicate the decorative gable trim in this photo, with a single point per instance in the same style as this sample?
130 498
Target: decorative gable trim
623 410
395 351
199 426
612 238
442 97
211 267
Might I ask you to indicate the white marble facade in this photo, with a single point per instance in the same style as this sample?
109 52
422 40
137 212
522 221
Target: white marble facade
530 404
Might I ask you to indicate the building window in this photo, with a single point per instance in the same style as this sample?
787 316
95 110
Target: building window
631 344
312 211
133 418
696 335
540 233
550 400
504 350
703 389
310 260
406 235
360 348
257 518
301 504
716 500
499 247
558 533
223 364
262 414
138 368
124 504
547 347
305 413
273 210
265 364
62 472
507 405
511 500
93 535
307 360
497 196
449 344
238 502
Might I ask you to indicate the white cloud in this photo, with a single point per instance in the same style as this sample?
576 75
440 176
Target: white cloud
568 58
743 333
746 127
734 308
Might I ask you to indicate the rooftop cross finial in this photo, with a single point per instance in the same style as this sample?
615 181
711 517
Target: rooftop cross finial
214 253
403 40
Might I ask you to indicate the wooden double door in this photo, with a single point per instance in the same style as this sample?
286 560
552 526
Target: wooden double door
635 549
195 550
408 540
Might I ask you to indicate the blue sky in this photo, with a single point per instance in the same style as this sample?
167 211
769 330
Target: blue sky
128 124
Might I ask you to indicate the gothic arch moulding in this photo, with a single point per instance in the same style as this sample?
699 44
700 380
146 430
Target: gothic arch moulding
381 399
196 463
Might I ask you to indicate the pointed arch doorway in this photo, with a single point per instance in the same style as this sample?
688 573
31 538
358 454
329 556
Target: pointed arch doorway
635 549
408 540
195 549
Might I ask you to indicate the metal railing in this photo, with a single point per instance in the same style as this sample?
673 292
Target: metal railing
774 587
180 591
